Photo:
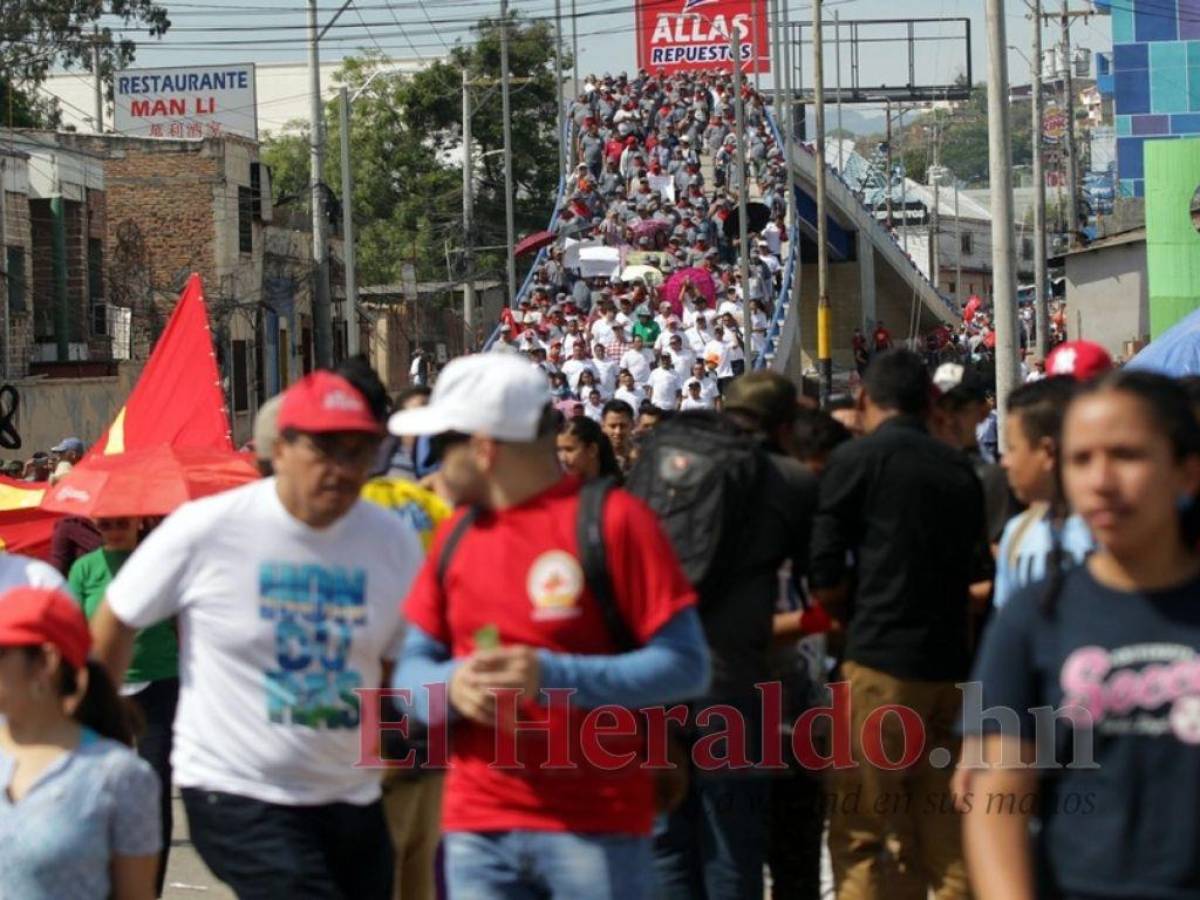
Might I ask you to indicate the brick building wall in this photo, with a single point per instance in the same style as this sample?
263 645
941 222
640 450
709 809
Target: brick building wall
18 234
160 219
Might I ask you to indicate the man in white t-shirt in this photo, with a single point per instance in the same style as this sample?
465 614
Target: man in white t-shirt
731 305
694 398
670 329
716 358
602 328
573 336
635 361
665 386
773 235
577 365
287 595
606 370
682 355
699 335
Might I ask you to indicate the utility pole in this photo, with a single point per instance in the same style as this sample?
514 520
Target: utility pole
935 218
1069 138
887 197
739 109
824 314
506 111
322 314
903 178
97 83
351 311
575 88
7 274
1004 294
789 137
468 217
837 65
957 248
1039 187
558 91
777 64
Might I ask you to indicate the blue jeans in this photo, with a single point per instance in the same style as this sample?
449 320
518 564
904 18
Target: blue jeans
515 865
714 845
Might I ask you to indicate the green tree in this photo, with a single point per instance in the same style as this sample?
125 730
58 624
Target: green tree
36 35
25 109
406 135
963 146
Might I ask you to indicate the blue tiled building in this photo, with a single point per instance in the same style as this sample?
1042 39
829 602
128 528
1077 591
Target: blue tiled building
1154 77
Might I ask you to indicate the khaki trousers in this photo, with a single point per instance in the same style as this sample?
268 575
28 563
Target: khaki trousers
895 834
413 808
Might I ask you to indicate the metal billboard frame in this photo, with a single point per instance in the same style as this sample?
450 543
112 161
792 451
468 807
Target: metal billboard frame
859 93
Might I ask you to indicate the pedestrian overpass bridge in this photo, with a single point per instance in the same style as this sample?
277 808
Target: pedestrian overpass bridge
871 278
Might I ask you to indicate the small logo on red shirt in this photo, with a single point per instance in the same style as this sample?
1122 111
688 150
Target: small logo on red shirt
554 583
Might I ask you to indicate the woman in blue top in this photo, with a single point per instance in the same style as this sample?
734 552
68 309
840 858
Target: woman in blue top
1089 716
78 809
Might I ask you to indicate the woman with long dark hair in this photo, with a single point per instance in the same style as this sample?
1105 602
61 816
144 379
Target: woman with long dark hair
1111 650
585 451
79 810
152 680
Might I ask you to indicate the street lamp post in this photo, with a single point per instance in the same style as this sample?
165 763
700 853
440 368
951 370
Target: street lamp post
506 112
739 107
322 317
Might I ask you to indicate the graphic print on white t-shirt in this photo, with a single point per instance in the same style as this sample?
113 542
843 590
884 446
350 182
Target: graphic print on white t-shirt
316 610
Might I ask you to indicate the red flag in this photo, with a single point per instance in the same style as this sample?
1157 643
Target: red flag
177 401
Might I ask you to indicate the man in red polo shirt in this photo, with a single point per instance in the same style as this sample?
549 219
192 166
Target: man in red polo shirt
502 612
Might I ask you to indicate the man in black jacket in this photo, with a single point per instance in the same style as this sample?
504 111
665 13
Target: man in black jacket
909 511
714 845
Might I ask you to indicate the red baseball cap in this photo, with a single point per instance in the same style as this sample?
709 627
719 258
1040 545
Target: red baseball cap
323 401
31 616
1081 360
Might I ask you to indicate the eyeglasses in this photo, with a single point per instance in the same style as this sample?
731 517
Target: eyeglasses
357 451
117 524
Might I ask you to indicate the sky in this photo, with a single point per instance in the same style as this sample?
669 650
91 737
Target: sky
260 31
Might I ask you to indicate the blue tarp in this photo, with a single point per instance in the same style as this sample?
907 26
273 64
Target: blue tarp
1176 352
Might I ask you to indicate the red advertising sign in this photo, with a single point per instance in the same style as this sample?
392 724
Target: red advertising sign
686 35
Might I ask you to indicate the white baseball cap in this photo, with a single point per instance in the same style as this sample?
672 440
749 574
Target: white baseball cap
948 376
499 395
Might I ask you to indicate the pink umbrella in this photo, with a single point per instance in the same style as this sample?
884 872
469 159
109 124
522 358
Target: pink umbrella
649 227
699 278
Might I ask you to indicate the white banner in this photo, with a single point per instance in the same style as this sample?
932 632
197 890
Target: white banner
599 262
191 102
664 184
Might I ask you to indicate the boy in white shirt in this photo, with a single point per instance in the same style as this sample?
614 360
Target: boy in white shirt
693 399
665 386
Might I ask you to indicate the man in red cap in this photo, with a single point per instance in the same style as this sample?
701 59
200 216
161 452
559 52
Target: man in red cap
286 593
1081 360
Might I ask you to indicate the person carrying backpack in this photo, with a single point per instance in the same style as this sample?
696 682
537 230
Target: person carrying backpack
538 583
736 508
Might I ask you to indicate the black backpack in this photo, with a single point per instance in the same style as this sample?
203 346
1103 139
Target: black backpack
700 473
